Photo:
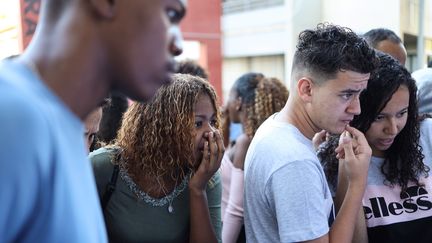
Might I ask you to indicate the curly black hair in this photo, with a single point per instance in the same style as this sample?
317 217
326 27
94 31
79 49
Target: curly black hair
404 158
328 49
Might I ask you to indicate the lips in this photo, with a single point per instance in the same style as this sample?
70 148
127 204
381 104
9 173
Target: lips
386 142
346 121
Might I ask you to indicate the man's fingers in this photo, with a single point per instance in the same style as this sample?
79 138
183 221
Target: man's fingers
346 141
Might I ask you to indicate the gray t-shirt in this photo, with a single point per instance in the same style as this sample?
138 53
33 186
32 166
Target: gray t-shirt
287 198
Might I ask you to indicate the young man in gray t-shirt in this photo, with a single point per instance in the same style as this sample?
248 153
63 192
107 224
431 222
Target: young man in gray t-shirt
287 198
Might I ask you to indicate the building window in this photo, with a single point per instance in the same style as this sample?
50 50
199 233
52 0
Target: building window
232 6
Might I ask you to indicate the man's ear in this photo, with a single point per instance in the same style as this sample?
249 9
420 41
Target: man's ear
304 89
104 8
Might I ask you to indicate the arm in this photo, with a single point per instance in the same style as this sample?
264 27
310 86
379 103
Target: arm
360 229
233 218
356 154
201 229
214 197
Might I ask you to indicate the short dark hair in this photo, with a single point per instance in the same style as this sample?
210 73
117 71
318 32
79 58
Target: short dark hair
112 114
191 67
375 36
404 158
328 49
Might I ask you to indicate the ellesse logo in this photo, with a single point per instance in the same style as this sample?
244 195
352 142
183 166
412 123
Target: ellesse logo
414 199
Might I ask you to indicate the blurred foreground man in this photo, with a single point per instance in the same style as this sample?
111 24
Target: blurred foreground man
81 51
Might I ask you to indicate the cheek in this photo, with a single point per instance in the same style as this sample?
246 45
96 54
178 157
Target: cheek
403 122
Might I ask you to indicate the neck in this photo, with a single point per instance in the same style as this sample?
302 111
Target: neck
70 69
294 112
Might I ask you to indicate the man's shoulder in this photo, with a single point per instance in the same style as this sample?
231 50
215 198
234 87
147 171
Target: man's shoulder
19 111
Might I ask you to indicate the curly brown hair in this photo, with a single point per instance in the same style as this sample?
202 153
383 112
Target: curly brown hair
156 138
261 97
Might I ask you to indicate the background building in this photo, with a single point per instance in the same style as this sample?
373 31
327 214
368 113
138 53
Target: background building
231 37
260 35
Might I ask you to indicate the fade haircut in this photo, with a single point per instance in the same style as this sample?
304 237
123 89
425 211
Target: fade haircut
328 49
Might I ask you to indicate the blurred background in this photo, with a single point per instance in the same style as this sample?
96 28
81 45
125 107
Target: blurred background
231 37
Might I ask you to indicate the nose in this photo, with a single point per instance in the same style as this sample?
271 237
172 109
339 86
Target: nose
354 106
176 43
391 127
208 127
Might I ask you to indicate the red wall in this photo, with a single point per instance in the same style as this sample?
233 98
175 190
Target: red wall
29 18
202 23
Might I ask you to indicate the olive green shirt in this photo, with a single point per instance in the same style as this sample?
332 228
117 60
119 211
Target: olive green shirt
129 218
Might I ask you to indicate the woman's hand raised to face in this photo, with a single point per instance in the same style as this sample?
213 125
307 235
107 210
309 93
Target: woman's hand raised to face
211 160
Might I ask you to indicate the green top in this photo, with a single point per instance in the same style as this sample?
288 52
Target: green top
133 216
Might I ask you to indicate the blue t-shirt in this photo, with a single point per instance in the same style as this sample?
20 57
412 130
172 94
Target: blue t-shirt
48 192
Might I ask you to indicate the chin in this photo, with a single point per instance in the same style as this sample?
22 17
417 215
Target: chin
336 130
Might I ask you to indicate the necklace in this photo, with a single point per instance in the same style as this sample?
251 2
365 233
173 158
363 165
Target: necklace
170 199
155 202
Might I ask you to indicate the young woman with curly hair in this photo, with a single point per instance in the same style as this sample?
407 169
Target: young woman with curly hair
397 202
168 151
253 98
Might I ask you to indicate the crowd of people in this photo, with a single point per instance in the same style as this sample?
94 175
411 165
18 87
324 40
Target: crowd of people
102 143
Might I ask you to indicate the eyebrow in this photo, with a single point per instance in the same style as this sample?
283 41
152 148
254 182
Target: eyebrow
351 91
204 117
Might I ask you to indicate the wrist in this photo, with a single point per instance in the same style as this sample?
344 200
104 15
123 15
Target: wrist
357 186
196 191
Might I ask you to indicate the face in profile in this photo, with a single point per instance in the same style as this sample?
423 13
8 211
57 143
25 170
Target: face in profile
233 105
389 122
335 102
142 45
396 50
91 124
205 122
